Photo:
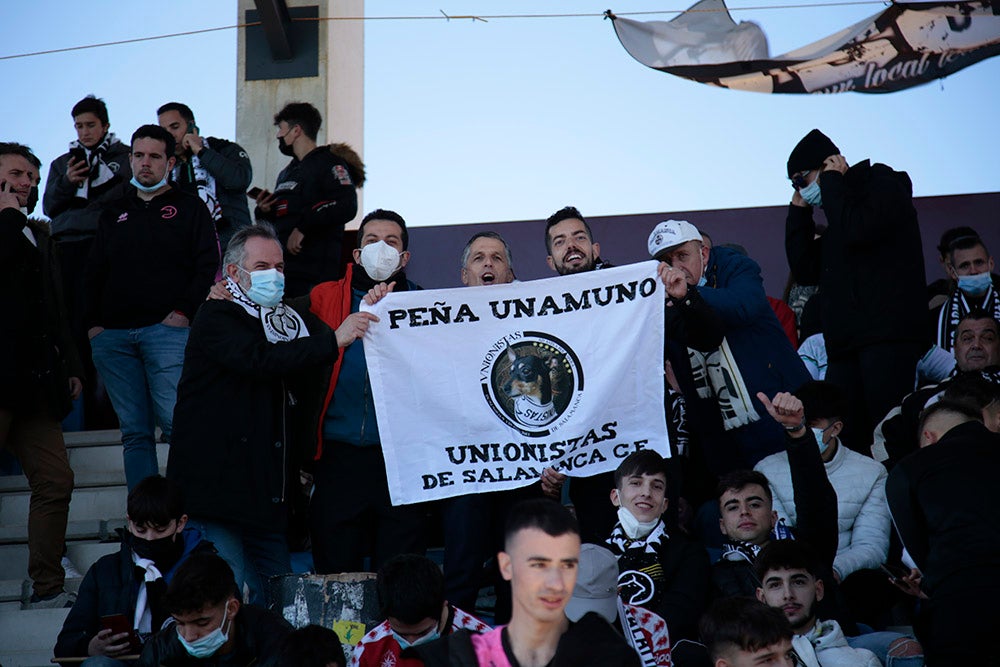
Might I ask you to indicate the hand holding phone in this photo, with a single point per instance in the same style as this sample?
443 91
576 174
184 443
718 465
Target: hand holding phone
118 635
254 192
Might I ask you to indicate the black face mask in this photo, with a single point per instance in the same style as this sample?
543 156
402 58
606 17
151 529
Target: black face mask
164 551
285 148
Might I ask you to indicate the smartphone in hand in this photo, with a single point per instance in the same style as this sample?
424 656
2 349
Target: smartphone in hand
254 192
118 624
78 154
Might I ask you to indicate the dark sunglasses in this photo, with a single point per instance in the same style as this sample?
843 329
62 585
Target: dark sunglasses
799 181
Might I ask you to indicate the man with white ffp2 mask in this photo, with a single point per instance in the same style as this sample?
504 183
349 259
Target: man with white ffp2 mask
350 507
253 375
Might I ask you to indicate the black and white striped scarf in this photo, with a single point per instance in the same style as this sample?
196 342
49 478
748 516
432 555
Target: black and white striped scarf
957 307
102 175
281 323
191 173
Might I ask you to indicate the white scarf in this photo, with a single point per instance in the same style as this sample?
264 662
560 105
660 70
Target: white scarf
281 323
204 182
100 173
143 621
716 374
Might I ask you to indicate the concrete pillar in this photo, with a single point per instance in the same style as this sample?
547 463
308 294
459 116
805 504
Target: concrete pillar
337 91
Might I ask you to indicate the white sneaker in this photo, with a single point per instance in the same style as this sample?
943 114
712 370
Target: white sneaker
70 569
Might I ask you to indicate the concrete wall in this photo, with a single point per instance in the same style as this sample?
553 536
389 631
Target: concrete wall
338 91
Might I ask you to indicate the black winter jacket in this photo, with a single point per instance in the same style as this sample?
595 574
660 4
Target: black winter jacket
37 354
150 258
111 586
230 166
246 408
869 262
318 196
258 636
73 218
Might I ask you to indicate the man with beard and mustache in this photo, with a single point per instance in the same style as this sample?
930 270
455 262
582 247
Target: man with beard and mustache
314 198
789 581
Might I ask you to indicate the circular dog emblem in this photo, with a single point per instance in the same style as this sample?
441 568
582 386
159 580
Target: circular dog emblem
635 587
532 381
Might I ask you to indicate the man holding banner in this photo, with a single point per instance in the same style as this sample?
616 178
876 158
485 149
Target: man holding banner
351 508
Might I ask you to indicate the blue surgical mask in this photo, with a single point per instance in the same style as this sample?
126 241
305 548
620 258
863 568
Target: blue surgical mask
977 284
148 188
429 637
811 194
818 433
206 646
266 287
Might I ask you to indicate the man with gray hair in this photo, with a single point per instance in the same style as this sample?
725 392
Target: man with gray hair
253 370
486 260
472 523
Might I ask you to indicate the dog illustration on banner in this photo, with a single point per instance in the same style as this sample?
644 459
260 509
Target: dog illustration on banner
532 380
530 386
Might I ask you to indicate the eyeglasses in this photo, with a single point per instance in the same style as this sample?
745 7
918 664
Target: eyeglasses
799 180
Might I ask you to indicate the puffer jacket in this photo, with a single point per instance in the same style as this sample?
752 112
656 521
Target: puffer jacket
862 511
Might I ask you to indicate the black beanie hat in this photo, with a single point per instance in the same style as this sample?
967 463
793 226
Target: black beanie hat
809 153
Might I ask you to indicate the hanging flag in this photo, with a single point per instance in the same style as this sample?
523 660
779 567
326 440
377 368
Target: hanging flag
479 389
906 45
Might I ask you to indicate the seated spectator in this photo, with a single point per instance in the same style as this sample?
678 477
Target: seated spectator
596 591
740 632
941 502
938 291
789 581
311 646
133 581
977 350
540 557
210 624
666 574
862 513
749 521
411 597
982 392
969 265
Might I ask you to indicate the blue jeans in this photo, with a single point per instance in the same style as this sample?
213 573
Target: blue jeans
879 642
254 555
141 368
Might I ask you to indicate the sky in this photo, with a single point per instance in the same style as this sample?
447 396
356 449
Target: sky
511 119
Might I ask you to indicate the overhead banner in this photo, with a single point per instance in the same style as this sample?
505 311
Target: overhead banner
479 389
906 45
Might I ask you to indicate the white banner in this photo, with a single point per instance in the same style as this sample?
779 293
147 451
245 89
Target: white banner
479 389
905 45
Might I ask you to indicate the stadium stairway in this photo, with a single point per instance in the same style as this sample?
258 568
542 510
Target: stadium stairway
96 510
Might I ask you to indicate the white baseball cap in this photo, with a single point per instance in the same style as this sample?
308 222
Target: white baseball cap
670 233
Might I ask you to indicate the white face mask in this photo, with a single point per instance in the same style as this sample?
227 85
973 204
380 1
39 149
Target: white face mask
379 260
634 528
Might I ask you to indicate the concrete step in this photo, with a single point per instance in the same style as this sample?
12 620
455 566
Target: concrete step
14 557
85 529
100 502
92 438
19 590
27 637
107 457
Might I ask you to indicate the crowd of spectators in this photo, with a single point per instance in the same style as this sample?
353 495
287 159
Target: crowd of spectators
813 498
